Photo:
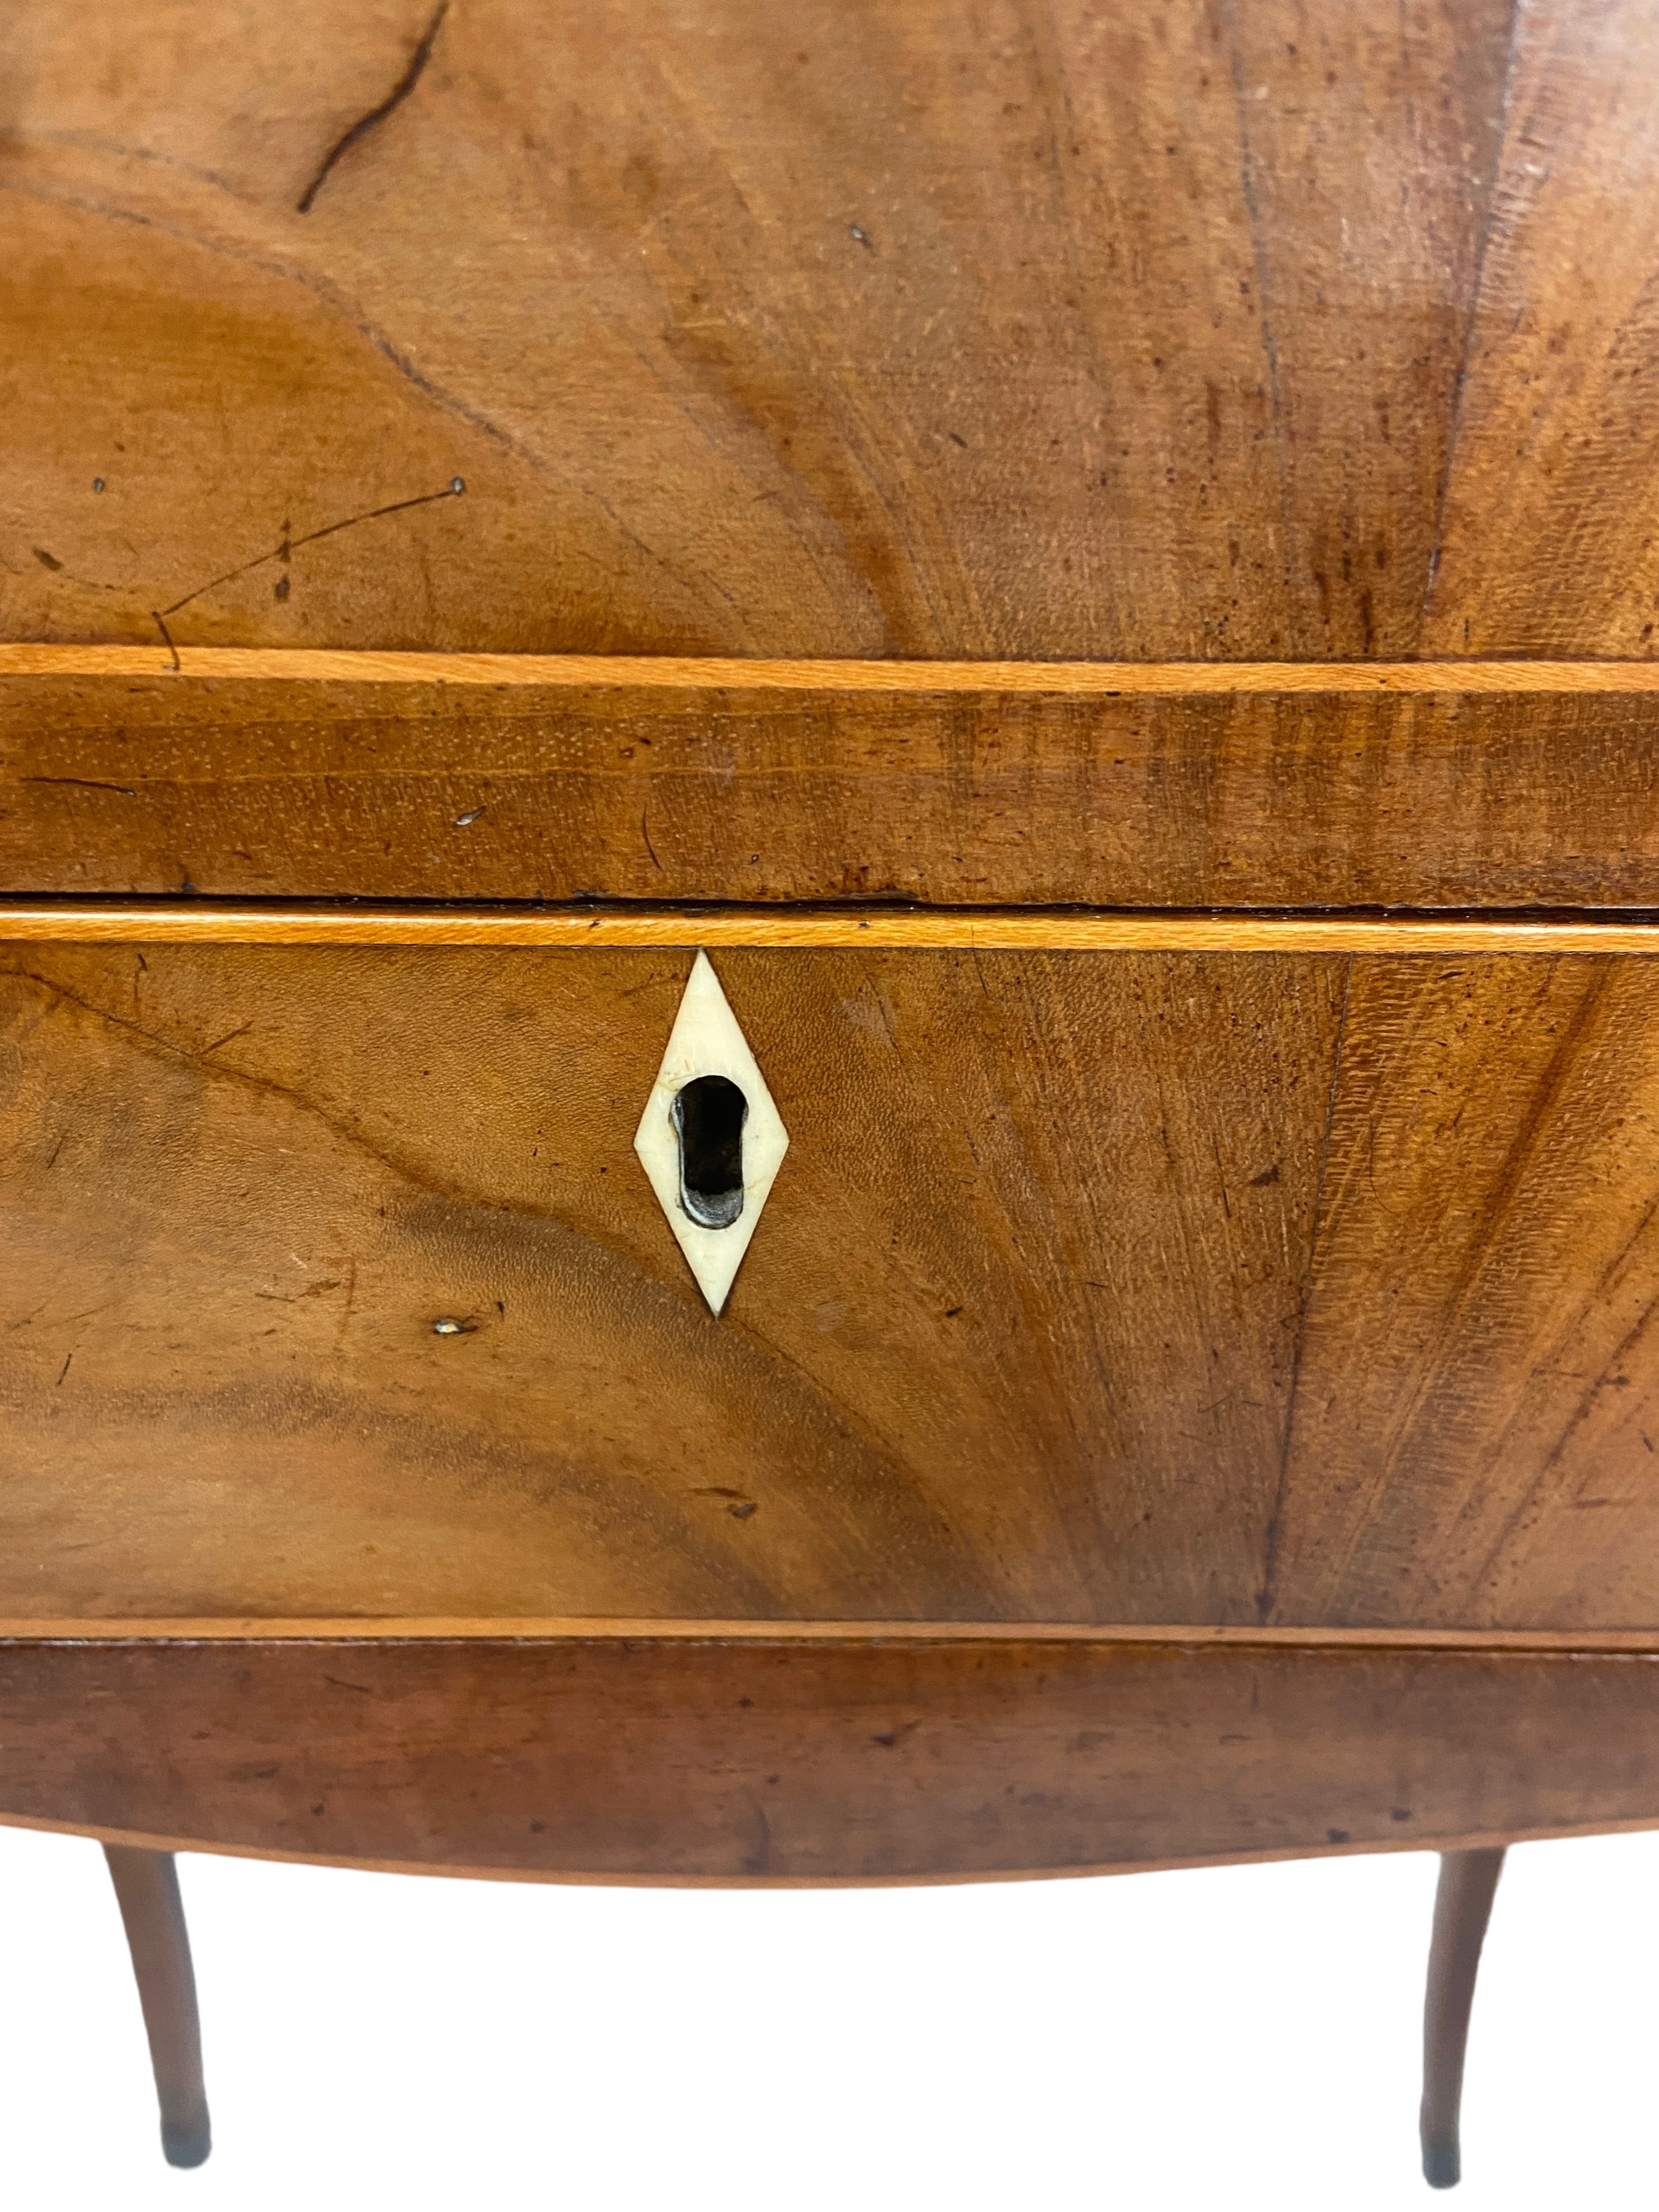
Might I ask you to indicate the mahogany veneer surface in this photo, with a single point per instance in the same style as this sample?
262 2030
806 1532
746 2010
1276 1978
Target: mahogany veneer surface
622 1758
1286 1290
1149 332
1310 1289
1497 787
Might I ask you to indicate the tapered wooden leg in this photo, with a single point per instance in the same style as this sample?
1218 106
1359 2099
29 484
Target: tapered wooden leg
1462 1905
146 1890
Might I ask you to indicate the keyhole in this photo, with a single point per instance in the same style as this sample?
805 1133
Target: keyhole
708 1115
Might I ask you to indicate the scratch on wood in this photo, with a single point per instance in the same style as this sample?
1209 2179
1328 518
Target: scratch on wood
283 549
395 99
226 1039
82 783
50 562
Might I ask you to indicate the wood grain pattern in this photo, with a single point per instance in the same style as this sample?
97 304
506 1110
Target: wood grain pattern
409 778
142 922
1555 464
1166 332
658 1628
1480 1309
1034 467
713 674
243 1183
622 1760
1149 1288
1051 329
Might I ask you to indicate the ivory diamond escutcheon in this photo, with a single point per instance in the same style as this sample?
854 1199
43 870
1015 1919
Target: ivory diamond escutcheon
711 1139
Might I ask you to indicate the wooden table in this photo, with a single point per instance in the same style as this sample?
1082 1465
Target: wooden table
1099 563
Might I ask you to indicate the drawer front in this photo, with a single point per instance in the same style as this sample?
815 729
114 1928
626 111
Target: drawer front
1157 1288
430 776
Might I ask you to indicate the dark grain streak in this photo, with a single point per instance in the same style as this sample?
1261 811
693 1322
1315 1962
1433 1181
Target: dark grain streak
1251 197
395 99
1442 489
1270 1546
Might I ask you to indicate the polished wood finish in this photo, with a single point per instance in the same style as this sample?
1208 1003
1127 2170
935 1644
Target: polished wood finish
144 923
434 776
656 1628
1100 557
1462 1905
1162 332
279 1168
706 676
1131 460
1476 1369
619 1759
1132 1288
153 1913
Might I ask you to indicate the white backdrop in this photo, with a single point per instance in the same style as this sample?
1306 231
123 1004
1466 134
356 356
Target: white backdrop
1241 2038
